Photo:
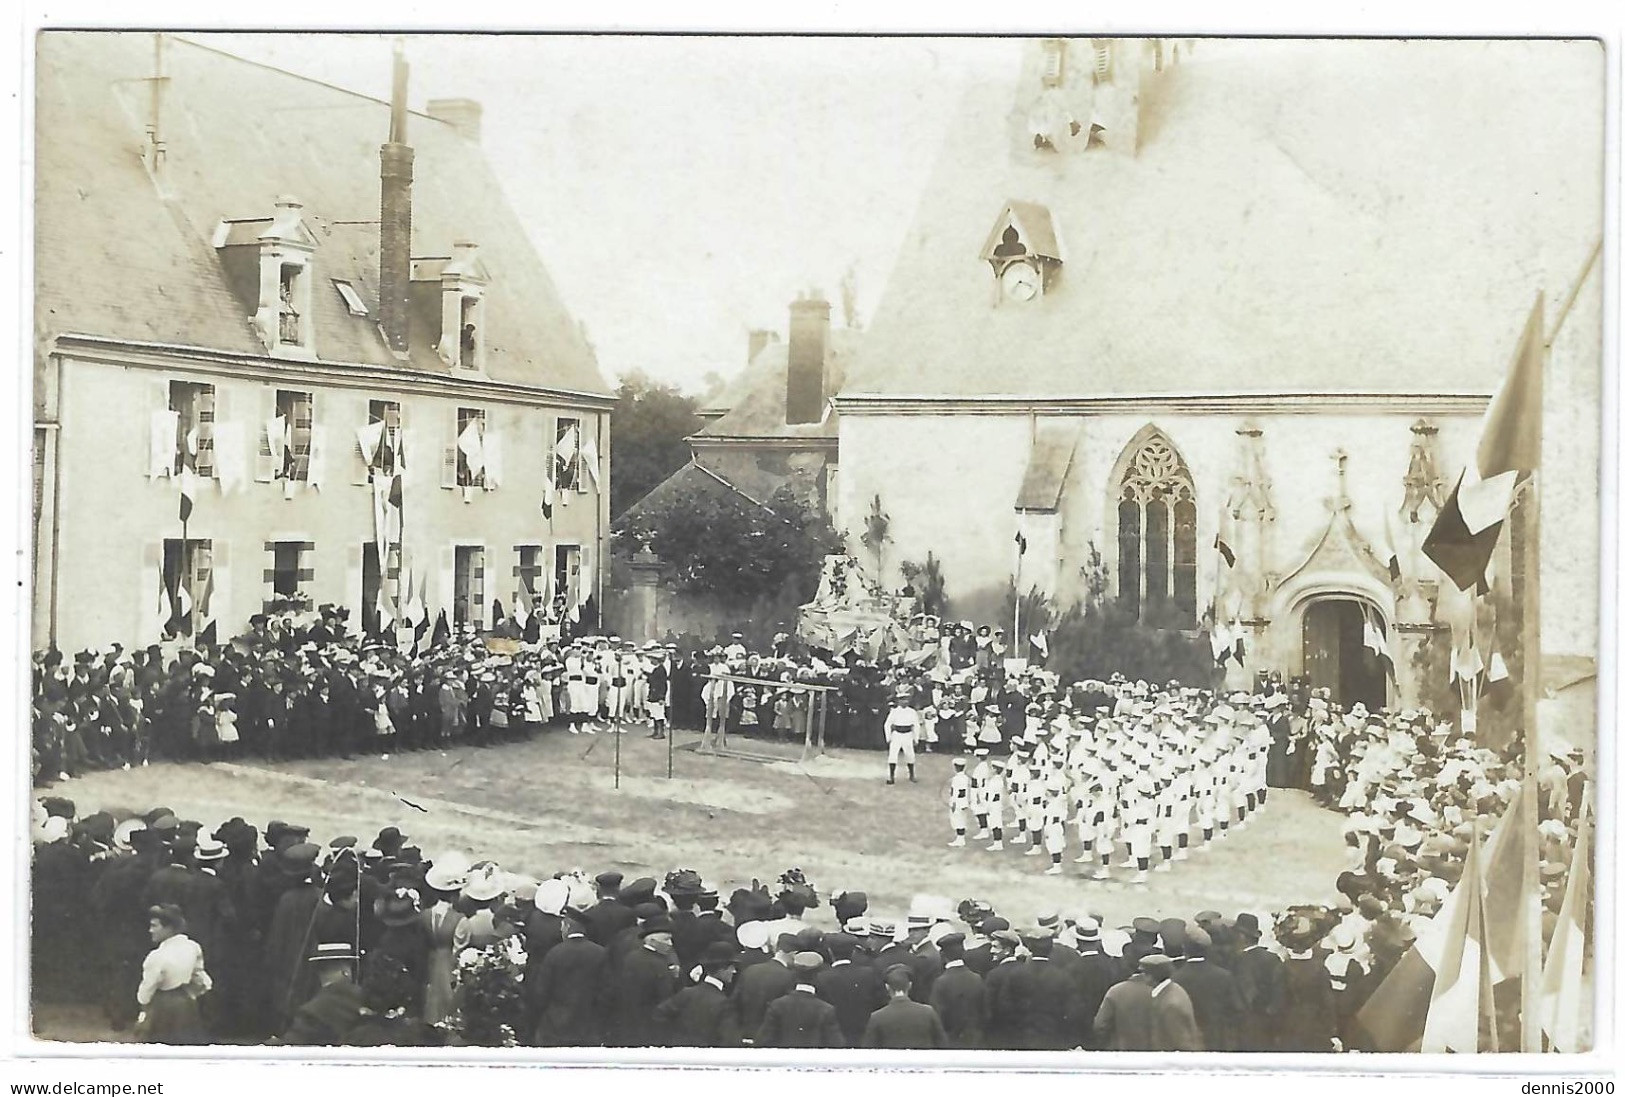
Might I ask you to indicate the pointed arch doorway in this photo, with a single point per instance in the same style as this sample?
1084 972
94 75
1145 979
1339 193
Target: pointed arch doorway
1335 656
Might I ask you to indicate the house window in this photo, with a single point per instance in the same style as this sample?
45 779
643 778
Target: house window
193 405
295 409
469 333
531 571
352 299
567 455
290 324
372 576
289 571
1156 534
470 447
387 412
468 586
566 577
188 577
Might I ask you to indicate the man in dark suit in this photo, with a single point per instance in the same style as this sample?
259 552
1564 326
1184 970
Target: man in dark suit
1260 980
544 931
1003 1026
1042 999
855 990
569 995
957 995
607 917
759 985
801 1018
1215 1001
1094 974
1143 942
703 1015
644 978
903 1022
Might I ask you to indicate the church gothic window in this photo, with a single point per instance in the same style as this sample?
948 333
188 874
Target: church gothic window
1156 534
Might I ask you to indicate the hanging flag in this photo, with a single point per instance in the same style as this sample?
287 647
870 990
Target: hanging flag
1462 989
524 602
370 439
193 437
1238 645
442 631
1464 534
276 442
210 635
188 486
161 444
547 494
1220 640
1225 551
1021 543
589 459
568 444
229 445
1041 642
1390 553
472 448
1504 889
386 610
166 607
1563 1012
497 616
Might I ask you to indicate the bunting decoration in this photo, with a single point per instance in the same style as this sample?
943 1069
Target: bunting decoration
589 459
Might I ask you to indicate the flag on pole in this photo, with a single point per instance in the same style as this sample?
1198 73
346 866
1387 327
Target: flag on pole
1461 981
547 494
1021 543
161 443
1464 534
1041 642
473 449
442 631
1390 548
1563 1012
188 485
497 616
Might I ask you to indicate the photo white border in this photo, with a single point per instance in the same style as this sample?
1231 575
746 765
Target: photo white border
261 1069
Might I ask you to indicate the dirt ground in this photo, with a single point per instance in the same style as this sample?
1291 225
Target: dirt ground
552 803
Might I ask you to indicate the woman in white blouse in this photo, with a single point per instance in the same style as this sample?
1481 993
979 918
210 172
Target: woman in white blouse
172 979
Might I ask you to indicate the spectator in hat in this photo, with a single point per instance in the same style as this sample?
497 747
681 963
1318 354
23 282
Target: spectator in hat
958 996
799 1018
607 917
570 995
172 979
855 990
902 1022
640 981
115 898
333 1012
1308 1020
759 985
1260 982
1095 974
1148 1012
443 882
703 1015
1003 1011
1043 996
388 1018
1215 1000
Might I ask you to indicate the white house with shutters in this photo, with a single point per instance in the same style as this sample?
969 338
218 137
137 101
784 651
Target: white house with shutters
348 357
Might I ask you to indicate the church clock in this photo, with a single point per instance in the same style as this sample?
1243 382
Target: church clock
1020 281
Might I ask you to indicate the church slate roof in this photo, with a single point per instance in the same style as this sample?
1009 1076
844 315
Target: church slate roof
1352 216
117 259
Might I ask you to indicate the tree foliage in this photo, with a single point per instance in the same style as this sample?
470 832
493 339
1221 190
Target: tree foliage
930 588
647 443
718 543
1097 637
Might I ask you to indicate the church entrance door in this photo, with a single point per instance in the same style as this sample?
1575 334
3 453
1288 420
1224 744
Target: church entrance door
1335 656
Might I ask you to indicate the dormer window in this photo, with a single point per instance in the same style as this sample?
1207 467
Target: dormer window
352 299
1024 252
468 350
283 250
463 283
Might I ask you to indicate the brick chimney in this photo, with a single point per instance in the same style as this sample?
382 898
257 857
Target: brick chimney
462 115
760 338
395 218
809 344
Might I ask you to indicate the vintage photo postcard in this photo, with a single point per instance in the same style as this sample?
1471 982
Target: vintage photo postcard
988 551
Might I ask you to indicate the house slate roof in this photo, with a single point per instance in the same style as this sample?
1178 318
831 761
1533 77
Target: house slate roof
118 258
756 408
1329 216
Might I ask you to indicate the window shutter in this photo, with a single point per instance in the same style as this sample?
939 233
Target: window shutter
446 595
353 594
207 413
264 464
303 422
316 462
359 473
150 608
220 597
448 455
161 436
476 588
493 459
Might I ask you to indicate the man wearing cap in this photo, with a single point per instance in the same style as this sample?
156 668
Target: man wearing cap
902 725
1148 1012
855 990
569 995
607 917
1042 996
799 1018
1003 1014
116 900
703 1015
1216 1002
336 1007
957 995
311 914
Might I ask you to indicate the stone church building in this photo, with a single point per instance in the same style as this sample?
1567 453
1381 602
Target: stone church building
1162 297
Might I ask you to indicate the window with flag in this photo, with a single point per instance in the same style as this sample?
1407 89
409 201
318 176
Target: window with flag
530 573
384 422
289 570
188 577
1156 534
193 405
468 586
295 410
470 447
567 455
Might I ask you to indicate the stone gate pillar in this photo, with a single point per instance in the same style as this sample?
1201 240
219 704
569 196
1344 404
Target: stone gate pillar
644 612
